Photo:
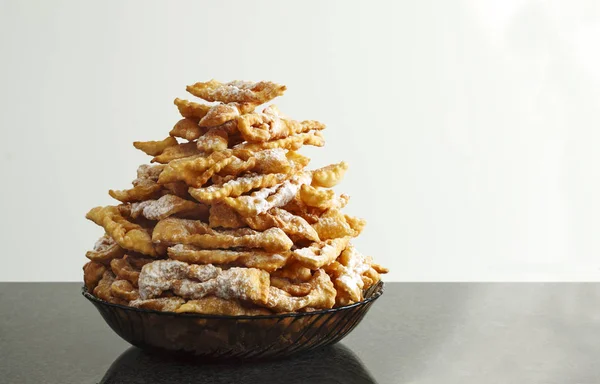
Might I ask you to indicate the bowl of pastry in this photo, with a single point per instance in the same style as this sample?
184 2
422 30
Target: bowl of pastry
228 246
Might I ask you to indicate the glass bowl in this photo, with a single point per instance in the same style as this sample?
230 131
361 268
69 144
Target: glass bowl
217 337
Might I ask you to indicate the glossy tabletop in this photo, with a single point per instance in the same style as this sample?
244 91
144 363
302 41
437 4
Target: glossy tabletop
415 333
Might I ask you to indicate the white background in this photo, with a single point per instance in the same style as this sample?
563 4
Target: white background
471 127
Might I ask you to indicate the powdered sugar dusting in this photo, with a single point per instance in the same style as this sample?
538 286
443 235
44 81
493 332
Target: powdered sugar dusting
161 207
148 173
354 266
197 281
103 243
266 198
156 277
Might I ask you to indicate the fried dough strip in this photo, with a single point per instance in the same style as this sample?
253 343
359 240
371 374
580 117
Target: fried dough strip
293 271
155 148
293 142
269 125
190 169
237 186
290 224
215 139
125 271
164 207
123 290
356 223
196 281
176 152
222 215
103 289
322 295
187 129
148 174
139 192
330 175
299 289
319 254
212 305
316 197
128 235
267 161
221 113
333 224
348 278
164 304
235 168
379 269
266 198
237 91
297 207
320 198
191 110
210 172
272 161
252 259
297 160
92 274
105 250
177 188
193 232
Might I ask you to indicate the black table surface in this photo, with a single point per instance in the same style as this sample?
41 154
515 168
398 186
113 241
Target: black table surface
416 333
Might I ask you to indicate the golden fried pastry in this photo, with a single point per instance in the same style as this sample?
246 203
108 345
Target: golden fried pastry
222 113
128 235
125 271
237 91
272 161
321 295
333 224
267 197
250 258
348 278
294 271
176 152
298 289
293 226
92 274
196 281
165 206
212 305
124 290
104 291
215 139
105 250
223 216
155 148
237 186
321 253
165 304
139 192
270 125
191 110
229 220
187 129
191 169
194 232
330 175
292 142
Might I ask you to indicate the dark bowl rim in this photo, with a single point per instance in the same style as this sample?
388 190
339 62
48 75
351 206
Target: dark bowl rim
376 293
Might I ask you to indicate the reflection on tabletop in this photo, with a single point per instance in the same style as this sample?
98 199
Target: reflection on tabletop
334 364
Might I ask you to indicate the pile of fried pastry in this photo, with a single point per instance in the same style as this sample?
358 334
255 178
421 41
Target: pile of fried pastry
227 219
